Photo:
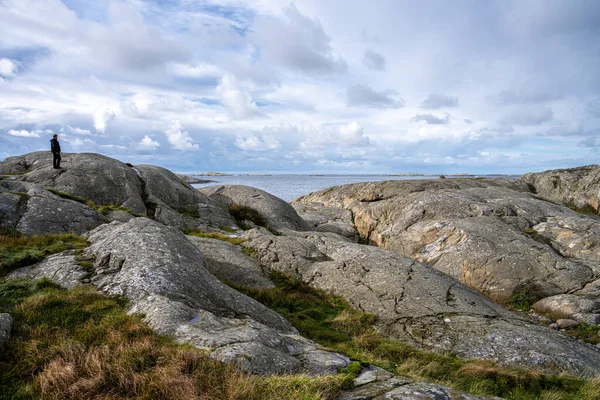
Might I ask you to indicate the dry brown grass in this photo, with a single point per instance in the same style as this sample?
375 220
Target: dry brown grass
81 345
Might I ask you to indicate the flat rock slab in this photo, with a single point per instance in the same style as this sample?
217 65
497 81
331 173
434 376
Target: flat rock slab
61 268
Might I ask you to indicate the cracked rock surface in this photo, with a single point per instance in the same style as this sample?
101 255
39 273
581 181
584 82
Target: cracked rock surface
419 305
579 187
482 232
33 210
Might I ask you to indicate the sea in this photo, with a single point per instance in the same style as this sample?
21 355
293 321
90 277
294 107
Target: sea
289 187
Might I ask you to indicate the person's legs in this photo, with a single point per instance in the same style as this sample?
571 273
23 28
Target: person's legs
56 160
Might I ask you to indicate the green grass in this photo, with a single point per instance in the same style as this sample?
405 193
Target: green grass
330 321
522 300
213 235
80 344
189 212
18 250
226 229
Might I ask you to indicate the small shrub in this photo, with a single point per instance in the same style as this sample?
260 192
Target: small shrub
522 300
244 213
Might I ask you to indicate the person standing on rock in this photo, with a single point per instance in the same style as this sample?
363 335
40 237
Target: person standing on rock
55 149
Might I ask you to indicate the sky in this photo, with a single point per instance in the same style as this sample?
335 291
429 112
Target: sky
311 86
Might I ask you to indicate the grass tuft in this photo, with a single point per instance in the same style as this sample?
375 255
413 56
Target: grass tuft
213 235
104 209
80 344
18 250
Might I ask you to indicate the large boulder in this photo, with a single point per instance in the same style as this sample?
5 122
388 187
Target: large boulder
480 231
32 210
278 213
174 202
144 190
576 187
90 176
419 305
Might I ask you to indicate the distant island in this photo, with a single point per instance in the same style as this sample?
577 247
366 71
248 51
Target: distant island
212 174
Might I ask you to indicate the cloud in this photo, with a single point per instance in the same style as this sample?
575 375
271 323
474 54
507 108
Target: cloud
592 142
373 60
8 68
179 138
147 144
253 143
345 136
365 96
528 116
195 70
24 133
102 117
431 119
78 131
296 42
435 101
238 101
132 44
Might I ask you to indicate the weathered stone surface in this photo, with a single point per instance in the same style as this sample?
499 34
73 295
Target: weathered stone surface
475 230
278 213
6 322
192 179
91 176
578 187
33 210
422 390
228 263
581 308
165 278
327 219
62 268
420 305
174 202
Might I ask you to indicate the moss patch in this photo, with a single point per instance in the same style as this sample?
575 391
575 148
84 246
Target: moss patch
244 213
80 344
18 250
331 322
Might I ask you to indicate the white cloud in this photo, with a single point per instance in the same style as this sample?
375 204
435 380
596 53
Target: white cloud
297 42
345 136
237 100
78 131
102 117
197 70
147 143
253 143
435 101
24 133
8 68
179 138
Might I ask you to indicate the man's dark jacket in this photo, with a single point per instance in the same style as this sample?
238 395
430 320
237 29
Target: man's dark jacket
54 146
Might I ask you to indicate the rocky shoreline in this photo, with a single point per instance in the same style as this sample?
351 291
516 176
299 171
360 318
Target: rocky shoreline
437 262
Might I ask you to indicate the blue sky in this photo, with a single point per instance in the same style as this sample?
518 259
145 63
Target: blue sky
314 86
